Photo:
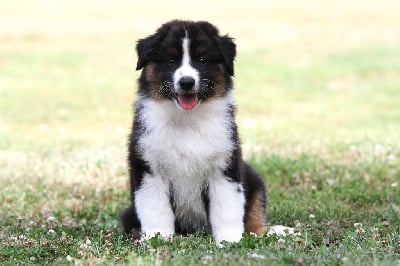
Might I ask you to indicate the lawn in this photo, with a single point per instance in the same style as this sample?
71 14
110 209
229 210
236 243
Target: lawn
317 93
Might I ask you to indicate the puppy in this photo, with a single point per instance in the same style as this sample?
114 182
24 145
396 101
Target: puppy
186 168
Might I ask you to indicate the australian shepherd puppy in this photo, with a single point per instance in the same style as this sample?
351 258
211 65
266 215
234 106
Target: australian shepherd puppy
186 168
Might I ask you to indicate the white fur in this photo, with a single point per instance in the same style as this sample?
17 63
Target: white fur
186 69
153 208
187 149
226 210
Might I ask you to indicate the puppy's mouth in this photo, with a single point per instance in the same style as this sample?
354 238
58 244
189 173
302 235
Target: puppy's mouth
188 101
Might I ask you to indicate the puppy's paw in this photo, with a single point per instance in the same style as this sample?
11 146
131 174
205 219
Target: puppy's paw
229 235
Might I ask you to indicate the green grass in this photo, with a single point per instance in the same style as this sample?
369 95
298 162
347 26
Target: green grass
318 113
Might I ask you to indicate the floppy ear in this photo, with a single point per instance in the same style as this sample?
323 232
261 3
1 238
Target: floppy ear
228 51
144 47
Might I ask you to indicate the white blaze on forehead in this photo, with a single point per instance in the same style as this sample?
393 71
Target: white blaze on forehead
186 69
186 51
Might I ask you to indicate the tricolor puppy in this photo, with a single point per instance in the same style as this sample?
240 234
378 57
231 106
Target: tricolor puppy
186 169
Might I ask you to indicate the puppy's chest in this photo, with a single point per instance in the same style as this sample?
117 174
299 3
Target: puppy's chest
187 149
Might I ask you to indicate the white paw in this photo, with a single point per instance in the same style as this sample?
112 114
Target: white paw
281 230
227 235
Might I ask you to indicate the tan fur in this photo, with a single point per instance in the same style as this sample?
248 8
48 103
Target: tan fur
255 217
154 82
220 82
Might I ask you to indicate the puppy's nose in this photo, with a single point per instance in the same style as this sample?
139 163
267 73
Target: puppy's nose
186 83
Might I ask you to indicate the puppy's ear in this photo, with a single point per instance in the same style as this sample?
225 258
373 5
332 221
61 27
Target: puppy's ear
228 50
144 47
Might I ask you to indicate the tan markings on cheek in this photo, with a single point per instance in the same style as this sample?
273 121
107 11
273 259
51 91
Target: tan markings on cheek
220 84
153 81
255 216
149 72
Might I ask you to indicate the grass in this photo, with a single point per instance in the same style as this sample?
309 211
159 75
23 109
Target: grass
318 114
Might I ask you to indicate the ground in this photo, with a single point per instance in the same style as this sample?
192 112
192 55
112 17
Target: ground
317 89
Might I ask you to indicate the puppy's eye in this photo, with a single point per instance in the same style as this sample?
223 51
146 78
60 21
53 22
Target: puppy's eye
171 61
202 60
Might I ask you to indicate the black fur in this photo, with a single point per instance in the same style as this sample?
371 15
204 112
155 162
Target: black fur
213 56
254 184
163 50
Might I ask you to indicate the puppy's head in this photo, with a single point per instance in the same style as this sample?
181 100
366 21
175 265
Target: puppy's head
186 62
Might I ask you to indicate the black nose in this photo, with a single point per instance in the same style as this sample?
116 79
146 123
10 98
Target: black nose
186 83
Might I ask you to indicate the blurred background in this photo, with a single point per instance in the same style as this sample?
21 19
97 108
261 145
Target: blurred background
311 77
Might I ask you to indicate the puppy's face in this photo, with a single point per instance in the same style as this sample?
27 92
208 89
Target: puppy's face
186 62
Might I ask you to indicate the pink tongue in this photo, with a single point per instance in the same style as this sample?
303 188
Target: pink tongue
188 101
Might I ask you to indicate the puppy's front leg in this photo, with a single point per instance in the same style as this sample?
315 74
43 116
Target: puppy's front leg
227 202
153 207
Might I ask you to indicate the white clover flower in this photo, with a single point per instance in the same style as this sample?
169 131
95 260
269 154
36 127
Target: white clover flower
206 259
391 158
51 219
330 181
257 256
353 148
281 242
378 149
358 225
359 228
31 223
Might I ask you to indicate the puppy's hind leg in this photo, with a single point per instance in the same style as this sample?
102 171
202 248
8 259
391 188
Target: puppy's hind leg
256 199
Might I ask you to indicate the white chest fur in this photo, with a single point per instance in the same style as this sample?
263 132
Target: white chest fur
187 149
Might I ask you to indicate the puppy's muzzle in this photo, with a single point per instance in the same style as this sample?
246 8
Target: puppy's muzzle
186 84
